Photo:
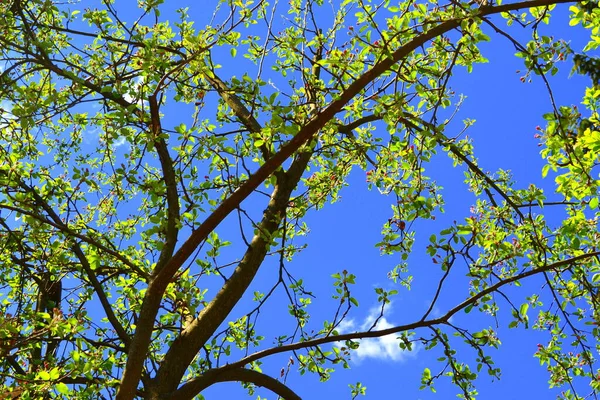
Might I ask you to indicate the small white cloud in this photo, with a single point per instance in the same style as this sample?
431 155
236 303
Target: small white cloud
135 88
90 135
382 348
119 142
345 325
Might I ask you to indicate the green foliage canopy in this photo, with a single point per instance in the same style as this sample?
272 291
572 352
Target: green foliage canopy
133 233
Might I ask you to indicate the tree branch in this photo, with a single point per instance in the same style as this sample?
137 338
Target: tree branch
318 122
239 109
14 394
168 173
123 335
348 131
197 385
184 349
106 306
472 166
403 328
198 332
67 231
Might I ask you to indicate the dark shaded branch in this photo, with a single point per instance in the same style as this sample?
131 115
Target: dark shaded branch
438 291
549 203
80 380
14 363
170 179
347 130
197 385
355 124
239 109
106 306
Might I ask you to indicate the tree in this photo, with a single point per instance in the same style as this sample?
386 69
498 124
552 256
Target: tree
126 145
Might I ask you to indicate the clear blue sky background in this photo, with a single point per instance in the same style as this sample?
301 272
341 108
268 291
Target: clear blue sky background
343 236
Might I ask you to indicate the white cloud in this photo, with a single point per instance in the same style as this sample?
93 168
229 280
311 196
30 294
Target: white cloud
91 135
119 142
135 89
346 325
382 348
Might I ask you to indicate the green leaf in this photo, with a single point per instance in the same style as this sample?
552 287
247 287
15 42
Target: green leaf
61 388
427 373
44 375
523 309
545 170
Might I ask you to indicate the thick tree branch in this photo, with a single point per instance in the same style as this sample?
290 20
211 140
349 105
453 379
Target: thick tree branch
239 109
348 128
14 363
233 101
195 386
198 332
348 131
170 179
